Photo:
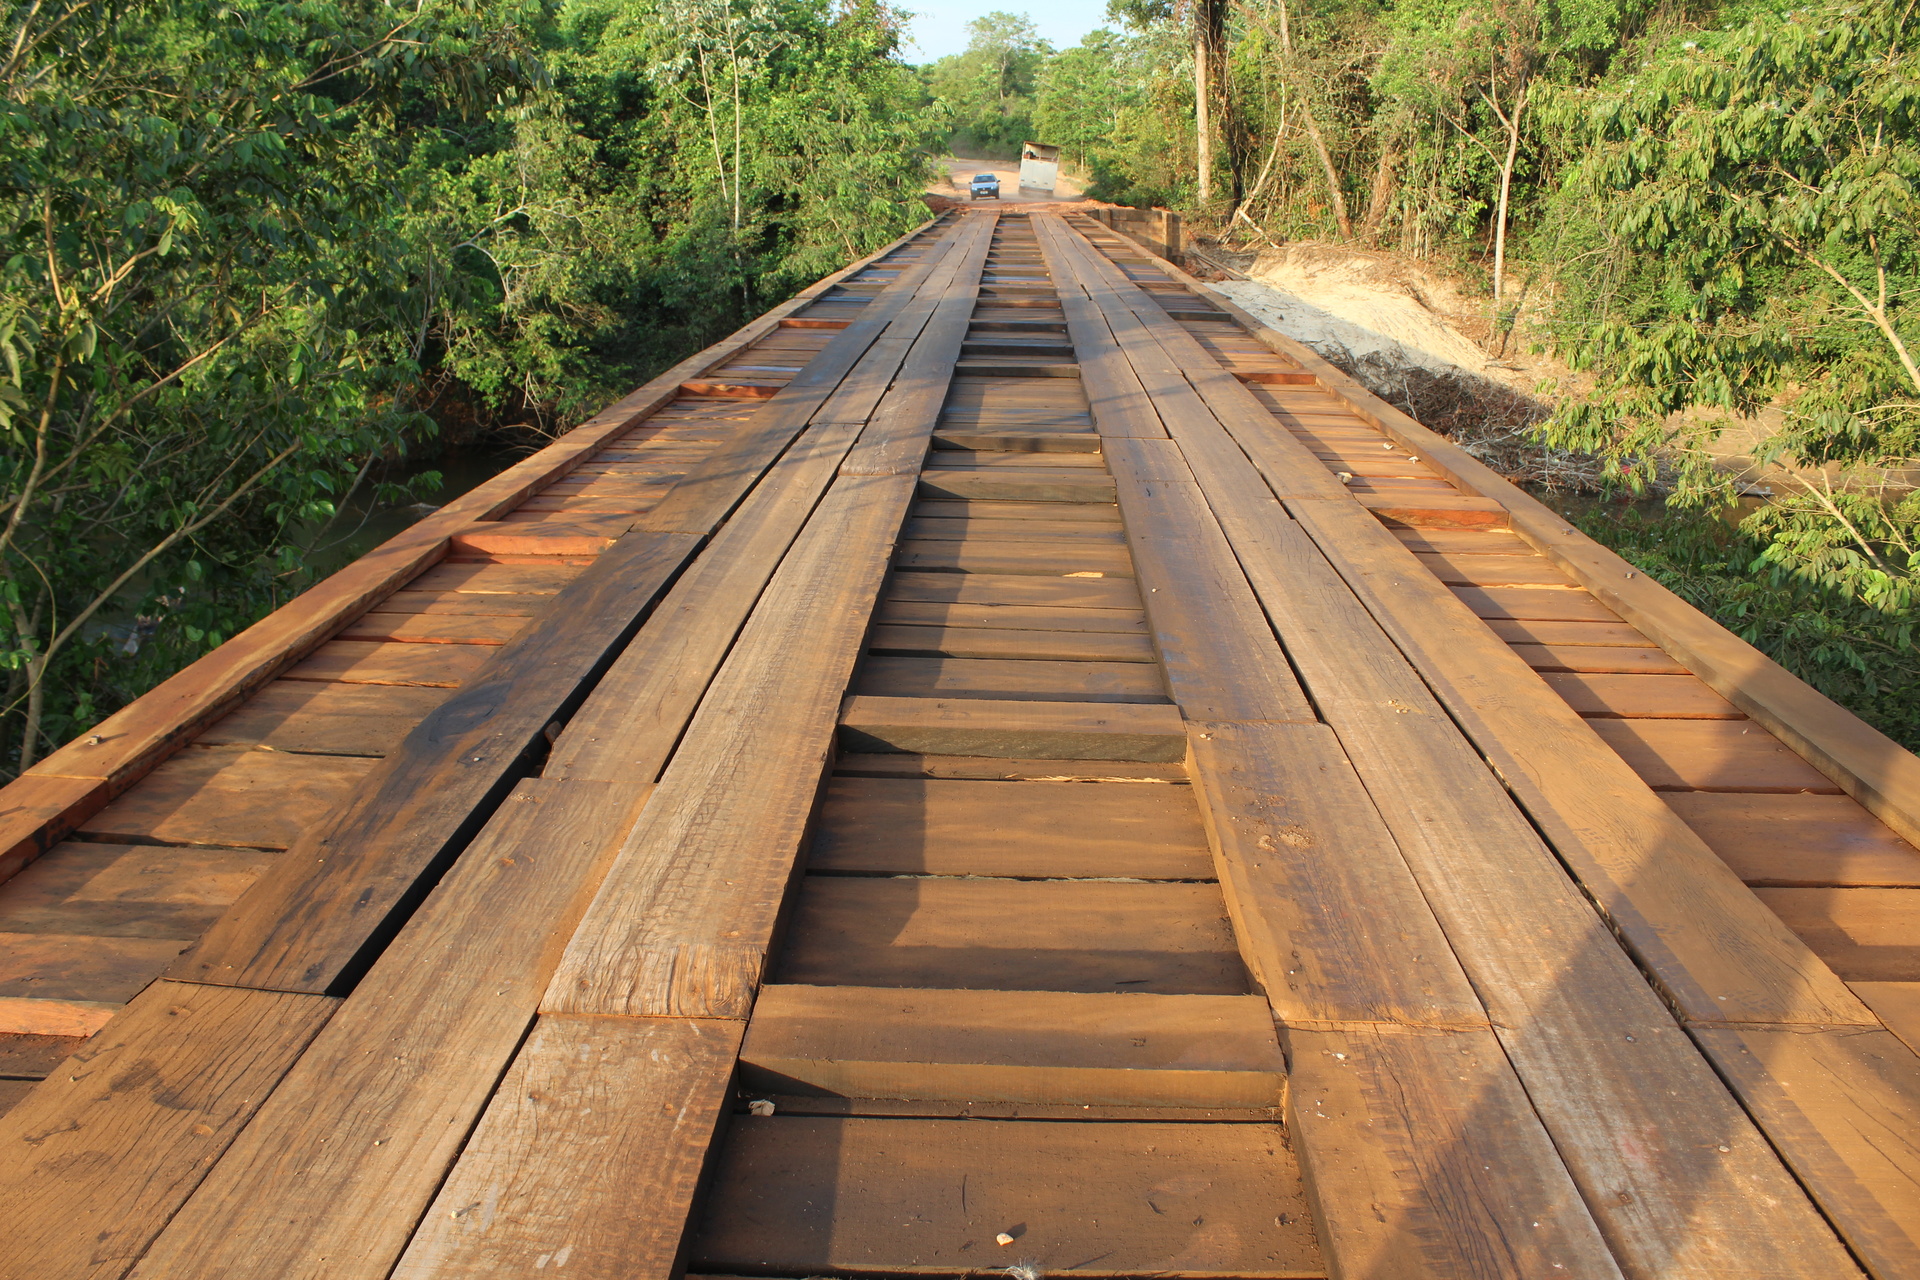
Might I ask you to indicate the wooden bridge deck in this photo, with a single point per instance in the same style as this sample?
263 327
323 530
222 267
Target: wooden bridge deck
1002 763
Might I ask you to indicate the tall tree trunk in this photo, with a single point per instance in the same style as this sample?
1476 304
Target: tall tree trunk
1512 123
1202 112
1284 37
1382 193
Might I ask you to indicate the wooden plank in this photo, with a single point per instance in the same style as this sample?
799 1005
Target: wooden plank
1565 634
1640 697
1056 515
981 529
33 1057
37 813
1219 654
1035 1046
1003 768
1799 841
325 719
1897 1004
809 1196
1512 925
445 666
706 868
1028 829
335 1169
926 613
1016 643
1639 660
1310 872
231 796
1843 1107
1409 1138
493 580
640 707
1871 767
142 891
433 628
1021 486
1010 679
707 495
106 1149
1053 559
994 588
522 1196
1864 935
308 922
1011 935
1042 730
1648 872
54 1017
1543 603
1710 755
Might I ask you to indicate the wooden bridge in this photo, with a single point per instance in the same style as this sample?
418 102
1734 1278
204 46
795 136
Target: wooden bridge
1002 766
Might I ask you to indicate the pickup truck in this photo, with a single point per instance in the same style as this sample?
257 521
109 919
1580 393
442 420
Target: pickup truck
984 184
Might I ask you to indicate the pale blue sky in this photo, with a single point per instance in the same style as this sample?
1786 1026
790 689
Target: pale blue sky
939 27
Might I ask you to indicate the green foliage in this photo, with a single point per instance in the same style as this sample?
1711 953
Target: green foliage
1856 654
989 89
1751 197
255 250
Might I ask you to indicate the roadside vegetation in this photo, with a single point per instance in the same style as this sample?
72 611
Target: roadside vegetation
255 251
1705 207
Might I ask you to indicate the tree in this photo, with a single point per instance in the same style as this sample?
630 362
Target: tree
1752 196
989 88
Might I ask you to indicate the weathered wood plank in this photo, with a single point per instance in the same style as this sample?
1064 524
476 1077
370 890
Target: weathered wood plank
337 1166
103 1152
1013 729
1409 1139
1011 935
597 1117
1011 679
1028 829
814 1195
1803 841
310 923
231 796
1035 1046
1843 1108
1311 873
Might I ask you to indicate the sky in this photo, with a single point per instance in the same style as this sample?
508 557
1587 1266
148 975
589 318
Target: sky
939 27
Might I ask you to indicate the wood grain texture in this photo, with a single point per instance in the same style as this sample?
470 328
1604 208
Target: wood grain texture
588 1157
37 813
1710 755
325 719
310 922
641 706
1652 876
1864 935
104 1151
1218 652
1799 841
808 1196
1843 1107
333 1171
1011 935
1329 918
885 676
1014 729
1640 697
1038 1046
1029 829
1423 1158
231 796
683 923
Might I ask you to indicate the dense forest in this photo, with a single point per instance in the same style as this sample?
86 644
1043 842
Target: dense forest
1702 209
259 252
256 251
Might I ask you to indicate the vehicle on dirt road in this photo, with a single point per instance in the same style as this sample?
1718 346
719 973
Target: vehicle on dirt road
984 184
